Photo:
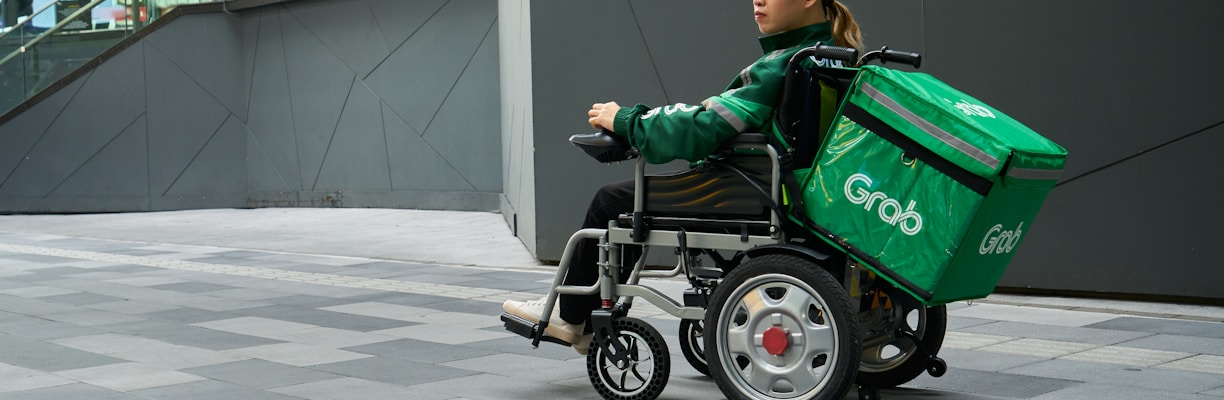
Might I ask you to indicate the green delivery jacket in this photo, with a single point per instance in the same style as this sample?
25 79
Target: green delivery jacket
692 132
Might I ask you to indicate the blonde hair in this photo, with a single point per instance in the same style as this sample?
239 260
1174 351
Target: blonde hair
845 31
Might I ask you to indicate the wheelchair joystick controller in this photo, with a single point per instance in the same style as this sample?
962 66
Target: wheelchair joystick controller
604 146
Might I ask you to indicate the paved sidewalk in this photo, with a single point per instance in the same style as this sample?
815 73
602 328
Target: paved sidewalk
381 304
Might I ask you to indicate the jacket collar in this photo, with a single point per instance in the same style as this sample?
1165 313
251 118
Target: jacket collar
809 35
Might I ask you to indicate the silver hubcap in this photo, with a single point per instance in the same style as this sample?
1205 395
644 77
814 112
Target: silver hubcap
778 338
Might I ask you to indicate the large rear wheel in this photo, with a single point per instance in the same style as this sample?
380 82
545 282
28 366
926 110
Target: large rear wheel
781 327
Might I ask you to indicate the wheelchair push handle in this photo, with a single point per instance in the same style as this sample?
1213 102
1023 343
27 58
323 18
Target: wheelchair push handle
886 55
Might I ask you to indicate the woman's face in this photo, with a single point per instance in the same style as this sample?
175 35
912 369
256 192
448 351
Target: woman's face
777 16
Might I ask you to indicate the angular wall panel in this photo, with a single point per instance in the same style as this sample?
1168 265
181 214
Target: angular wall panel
357 153
121 168
217 170
459 135
319 85
128 68
205 48
414 164
182 117
347 28
17 136
416 78
399 19
271 116
76 135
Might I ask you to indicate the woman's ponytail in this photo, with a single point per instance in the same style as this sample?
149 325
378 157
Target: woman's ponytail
845 31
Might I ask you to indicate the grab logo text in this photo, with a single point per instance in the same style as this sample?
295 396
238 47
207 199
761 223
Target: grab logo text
999 241
890 211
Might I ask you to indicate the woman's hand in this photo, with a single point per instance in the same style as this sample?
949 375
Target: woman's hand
603 115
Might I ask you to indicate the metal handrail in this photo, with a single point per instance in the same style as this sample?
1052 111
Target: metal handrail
53 29
35 14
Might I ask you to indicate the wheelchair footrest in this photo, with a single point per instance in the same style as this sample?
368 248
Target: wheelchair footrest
527 329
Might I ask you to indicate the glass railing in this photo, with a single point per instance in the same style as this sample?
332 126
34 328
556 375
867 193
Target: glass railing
42 41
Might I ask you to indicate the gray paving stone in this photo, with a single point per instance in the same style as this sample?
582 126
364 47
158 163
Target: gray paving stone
88 317
131 307
71 391
1218 392
915 393
42 259
148 351
325 318
1060 333
261 374
1187 344
1156 325
421 351
508 284
524 367
192 287
498 387
297 354
127 251
393 370
129 269
210 390
403 299
186 335
187 315
986 361
437 279
307 301
248 294
1111 392
992 383
522 346
469 306
14 378
354 388
44 329
1170 381
129 376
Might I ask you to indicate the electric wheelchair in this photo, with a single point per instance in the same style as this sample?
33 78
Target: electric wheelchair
772 311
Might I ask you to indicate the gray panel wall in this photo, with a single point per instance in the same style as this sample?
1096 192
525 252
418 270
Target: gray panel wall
1117 83
355 103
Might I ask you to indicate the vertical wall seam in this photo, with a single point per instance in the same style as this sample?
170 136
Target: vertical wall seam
254 64
335 129
190 77
382 107
297 149
259 146
316 36
649 55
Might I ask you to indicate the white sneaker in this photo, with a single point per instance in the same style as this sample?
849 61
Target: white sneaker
531 310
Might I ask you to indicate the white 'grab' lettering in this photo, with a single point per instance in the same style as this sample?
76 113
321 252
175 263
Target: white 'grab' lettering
889 210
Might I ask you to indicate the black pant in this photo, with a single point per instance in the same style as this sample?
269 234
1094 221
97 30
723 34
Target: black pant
610 201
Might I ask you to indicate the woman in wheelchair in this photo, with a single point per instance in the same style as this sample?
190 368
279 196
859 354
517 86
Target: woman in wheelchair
693 133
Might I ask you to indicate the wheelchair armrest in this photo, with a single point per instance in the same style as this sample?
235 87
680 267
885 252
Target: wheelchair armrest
748 138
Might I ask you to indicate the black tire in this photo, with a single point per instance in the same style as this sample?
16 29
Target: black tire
887 360
812 341
692 344
645 376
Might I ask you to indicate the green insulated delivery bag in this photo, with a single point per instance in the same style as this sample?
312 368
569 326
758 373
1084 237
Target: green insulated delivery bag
929 187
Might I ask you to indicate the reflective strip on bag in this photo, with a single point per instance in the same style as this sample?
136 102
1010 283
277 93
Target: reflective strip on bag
929 128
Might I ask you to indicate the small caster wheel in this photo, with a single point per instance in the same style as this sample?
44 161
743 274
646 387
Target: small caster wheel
937 367
868 393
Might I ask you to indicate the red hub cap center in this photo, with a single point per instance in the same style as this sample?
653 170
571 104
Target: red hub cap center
776 341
